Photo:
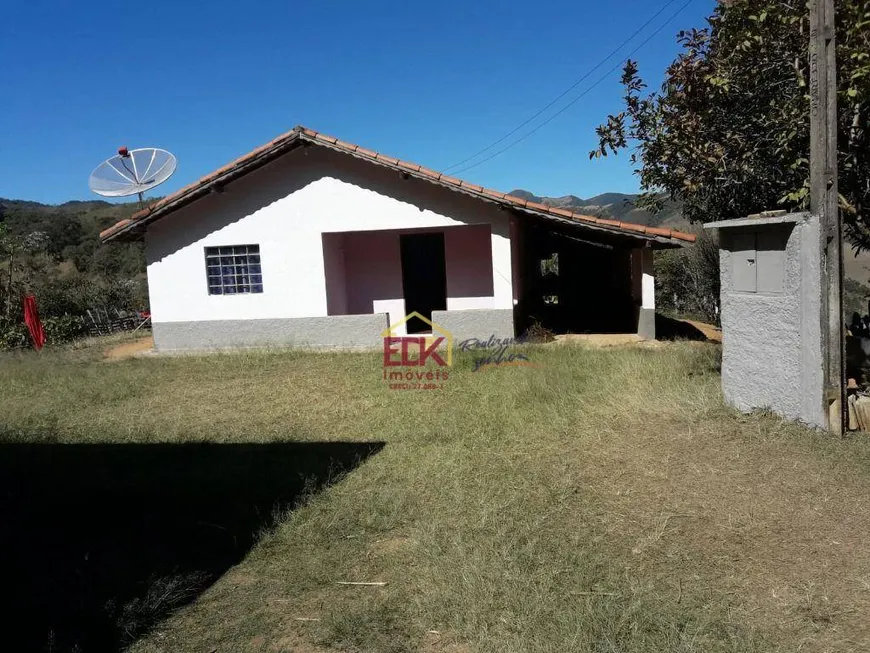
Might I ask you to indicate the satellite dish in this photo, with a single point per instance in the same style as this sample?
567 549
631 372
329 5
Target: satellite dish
132 172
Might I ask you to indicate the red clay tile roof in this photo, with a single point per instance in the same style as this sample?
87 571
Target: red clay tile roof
301 135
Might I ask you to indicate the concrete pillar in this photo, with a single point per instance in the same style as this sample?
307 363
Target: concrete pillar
772 353
643 290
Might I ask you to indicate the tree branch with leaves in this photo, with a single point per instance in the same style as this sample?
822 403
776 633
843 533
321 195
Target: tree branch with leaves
727 134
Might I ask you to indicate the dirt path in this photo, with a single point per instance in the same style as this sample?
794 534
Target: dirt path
712 333
686 329
130 349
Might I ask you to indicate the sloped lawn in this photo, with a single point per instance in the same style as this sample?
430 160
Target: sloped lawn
602 500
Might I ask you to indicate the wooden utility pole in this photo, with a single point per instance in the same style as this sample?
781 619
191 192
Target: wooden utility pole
824 201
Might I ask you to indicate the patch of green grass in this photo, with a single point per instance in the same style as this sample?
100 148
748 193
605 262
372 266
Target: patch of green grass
603 500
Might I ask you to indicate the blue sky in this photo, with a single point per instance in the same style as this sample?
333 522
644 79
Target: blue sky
429 82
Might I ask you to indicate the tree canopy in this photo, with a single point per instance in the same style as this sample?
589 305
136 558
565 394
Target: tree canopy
728 132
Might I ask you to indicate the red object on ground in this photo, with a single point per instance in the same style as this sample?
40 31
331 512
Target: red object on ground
31 319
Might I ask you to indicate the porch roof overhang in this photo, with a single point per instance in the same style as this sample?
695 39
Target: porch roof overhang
134 228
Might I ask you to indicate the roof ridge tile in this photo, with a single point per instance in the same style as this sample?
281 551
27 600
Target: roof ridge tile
585 218
519 201
428 172
387 158
366 152
410 166
347 146
563 212
494 193
450 180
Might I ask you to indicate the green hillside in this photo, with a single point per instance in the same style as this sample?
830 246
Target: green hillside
54 253
71 233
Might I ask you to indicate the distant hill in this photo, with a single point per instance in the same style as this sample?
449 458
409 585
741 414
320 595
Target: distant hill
96 208
24 216
71 232
612 205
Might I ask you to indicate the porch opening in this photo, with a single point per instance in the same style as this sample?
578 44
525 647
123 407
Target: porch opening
572 284
424 277
398 271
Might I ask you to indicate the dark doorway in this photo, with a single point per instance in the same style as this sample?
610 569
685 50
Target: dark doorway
424 277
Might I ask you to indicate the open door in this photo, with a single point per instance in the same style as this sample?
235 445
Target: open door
424 277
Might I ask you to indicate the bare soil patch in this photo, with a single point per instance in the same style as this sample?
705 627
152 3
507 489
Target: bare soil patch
130 349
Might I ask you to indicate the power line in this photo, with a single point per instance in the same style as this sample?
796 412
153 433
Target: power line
582 95
567 90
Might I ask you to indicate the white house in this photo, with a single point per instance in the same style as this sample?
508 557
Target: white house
311 241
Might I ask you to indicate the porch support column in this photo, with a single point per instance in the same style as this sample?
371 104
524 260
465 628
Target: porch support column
502 267
643 292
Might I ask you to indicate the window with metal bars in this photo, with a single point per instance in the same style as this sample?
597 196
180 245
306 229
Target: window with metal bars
233 270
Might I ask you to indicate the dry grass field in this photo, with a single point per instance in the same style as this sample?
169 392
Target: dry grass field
601 501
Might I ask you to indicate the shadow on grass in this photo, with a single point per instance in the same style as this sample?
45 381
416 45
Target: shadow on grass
670 329
100 542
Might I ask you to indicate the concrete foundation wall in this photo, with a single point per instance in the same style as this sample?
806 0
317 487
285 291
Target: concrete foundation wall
339 331
771 349
480 323
335 331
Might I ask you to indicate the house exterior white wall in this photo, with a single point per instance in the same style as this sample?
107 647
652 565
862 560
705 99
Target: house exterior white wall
286 208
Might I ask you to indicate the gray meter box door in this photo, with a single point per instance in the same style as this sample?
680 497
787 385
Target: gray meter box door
758 260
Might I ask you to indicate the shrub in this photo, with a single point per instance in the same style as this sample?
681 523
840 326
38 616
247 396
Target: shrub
538 333
687 279
76 294
58 330
64 328
13 334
